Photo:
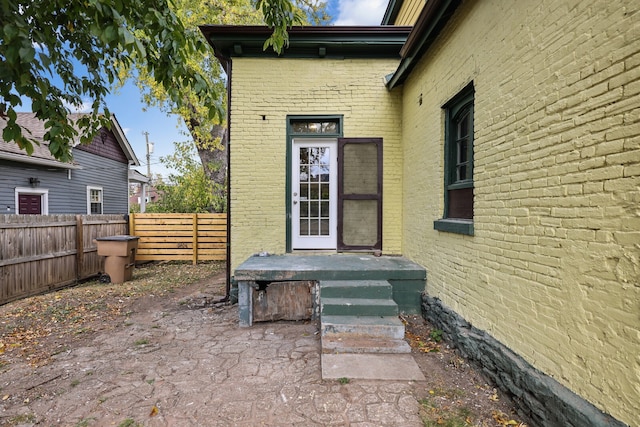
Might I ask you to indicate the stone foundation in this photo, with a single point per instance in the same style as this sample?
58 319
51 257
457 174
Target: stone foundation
540 398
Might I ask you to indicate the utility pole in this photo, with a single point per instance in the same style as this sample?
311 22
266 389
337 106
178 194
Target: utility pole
149 151
143 201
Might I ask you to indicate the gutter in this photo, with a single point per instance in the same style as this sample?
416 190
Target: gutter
226 65
228 284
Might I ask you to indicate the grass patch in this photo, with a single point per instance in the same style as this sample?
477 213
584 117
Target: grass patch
129 422
23 419
142 341
439 409
85 422
436 335
344 380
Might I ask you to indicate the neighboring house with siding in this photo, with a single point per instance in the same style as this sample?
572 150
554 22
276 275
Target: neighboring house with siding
95 182
509 144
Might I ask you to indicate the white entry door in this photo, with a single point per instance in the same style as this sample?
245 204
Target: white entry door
314 195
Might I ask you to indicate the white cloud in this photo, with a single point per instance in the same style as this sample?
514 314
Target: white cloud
360 12
126 130
84 107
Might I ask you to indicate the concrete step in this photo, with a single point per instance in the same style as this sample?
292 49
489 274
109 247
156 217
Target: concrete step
374 326
358 307
356 343
356 289
371 367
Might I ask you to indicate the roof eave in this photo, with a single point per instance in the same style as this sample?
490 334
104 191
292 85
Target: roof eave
24 158
432 19
124 142
308 42
135 176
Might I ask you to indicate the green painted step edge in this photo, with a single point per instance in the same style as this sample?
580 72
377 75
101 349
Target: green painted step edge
356 289
358 306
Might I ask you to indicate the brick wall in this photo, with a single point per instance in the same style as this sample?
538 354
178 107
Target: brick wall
553 270
275 88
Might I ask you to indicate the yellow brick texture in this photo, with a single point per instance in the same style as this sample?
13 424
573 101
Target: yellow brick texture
275 88
553 270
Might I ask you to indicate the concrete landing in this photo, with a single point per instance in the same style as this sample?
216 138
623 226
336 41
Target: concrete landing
371 367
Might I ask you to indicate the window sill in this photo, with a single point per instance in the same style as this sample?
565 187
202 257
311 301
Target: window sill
459 226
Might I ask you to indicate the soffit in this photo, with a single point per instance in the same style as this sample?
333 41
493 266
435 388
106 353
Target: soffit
308 42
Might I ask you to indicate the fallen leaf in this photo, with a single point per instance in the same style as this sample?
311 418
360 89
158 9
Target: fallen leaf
5 397
154 411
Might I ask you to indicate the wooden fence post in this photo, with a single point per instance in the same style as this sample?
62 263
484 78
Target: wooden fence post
195 239
79 247
132 224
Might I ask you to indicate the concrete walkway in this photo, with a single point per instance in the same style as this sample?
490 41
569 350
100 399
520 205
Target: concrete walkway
175 366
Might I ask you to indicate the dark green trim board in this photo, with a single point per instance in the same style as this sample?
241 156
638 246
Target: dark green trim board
430 23
459 226
289 150
391 13
308 42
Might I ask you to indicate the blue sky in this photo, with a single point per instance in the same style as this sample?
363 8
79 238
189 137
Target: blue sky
164 130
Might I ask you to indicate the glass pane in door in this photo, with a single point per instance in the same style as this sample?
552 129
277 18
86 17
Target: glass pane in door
314 191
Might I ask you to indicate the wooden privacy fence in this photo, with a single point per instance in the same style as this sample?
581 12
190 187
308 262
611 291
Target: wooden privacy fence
184 237
40 253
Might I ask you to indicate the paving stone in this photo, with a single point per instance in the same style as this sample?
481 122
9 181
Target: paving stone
200 368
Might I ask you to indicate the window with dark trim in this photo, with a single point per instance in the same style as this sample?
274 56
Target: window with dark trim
458 164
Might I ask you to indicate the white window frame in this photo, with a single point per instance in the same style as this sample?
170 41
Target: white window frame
89 189
43 193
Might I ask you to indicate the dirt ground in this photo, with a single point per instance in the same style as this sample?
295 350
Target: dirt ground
38 335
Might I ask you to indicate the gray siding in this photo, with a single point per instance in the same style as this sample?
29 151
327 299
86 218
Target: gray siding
109 174
68 196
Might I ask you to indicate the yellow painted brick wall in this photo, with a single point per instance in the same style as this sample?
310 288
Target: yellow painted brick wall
275 88
409 12
553 270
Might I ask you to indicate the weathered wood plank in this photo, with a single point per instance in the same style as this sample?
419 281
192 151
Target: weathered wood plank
283 301
45 252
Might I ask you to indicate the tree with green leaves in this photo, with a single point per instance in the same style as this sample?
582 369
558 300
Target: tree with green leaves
188 189
209 132
57 53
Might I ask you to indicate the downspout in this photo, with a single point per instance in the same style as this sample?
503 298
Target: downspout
228 285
